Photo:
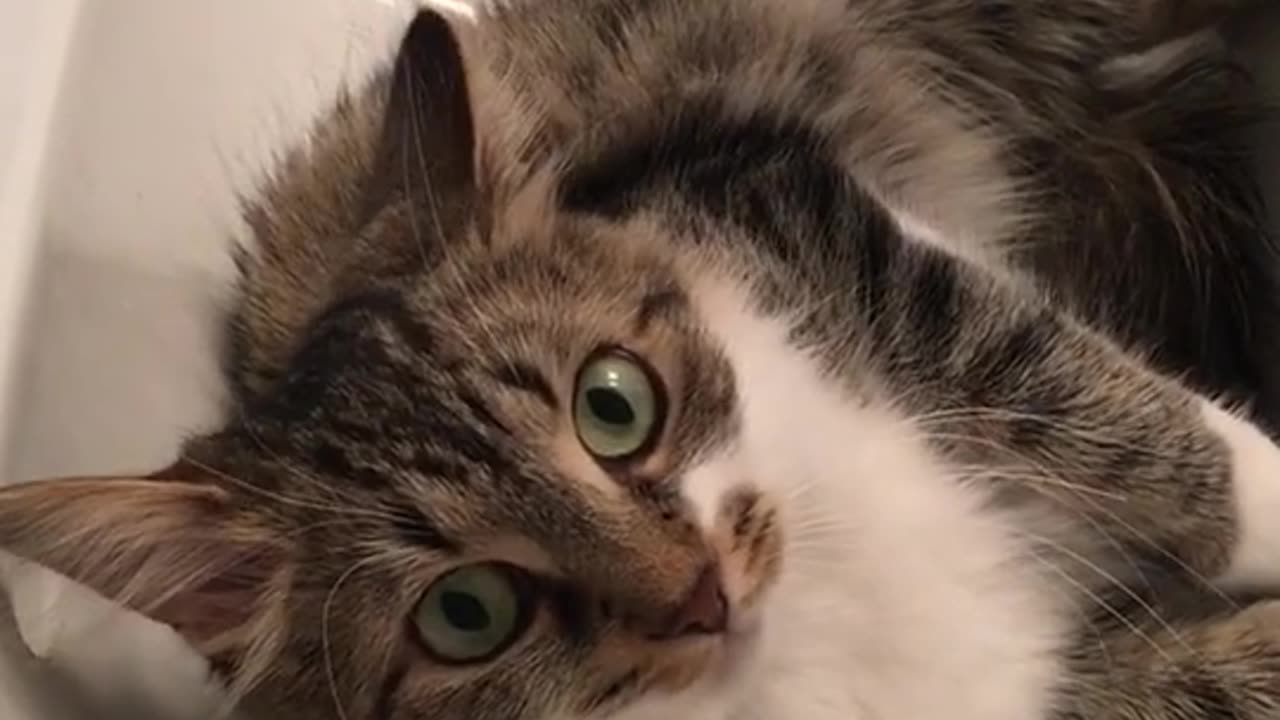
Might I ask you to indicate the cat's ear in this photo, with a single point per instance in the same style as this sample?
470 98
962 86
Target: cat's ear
427 149
170 546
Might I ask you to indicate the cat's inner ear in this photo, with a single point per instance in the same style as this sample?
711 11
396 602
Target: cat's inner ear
426 153
168 546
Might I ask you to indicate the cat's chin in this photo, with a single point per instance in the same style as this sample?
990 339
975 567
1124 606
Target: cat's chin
728 658
726 670
737 650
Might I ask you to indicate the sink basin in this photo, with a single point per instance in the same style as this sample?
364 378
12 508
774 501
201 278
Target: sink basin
126 129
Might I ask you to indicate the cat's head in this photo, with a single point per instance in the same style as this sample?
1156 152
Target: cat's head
466 494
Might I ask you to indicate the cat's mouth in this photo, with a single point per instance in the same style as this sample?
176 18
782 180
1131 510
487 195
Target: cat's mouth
707 639
728 662
747 546
703 661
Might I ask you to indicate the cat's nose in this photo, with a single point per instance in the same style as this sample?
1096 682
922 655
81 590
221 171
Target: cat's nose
704 611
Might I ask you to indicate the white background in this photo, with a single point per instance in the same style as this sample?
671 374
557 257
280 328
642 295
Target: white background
126 128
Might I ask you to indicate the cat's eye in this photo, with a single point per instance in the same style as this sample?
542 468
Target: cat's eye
616 406
473 613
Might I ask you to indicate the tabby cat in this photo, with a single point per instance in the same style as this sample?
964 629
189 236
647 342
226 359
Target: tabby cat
739 360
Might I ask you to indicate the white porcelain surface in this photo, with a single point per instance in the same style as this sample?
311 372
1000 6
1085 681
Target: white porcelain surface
166 108
35 40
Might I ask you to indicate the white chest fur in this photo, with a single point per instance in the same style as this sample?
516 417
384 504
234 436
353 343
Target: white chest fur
904 596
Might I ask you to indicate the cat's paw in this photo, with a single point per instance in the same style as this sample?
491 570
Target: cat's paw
1255 486
1211 667
1262 620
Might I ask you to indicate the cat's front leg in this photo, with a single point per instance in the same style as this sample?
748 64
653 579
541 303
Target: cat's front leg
1223 666
1254 561
1055 414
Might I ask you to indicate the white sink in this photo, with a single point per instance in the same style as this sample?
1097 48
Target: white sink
126 128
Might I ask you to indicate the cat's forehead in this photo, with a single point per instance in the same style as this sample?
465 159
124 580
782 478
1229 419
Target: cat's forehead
480 362
543 259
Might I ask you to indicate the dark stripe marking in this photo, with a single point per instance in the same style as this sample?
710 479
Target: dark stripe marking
613 692
385 706
525 377
415 528
661 303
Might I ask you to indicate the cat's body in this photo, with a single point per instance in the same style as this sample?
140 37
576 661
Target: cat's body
901 289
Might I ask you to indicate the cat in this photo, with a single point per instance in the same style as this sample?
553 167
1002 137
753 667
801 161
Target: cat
738 360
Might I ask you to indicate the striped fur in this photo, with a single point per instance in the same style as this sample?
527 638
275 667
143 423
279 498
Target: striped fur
937 291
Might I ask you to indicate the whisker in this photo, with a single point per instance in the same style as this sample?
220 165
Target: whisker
1090 497
1102 603
1043 472
325 642
1094 434
414 129
288 500
1164 552
1122 587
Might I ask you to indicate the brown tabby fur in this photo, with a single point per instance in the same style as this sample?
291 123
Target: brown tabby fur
430 269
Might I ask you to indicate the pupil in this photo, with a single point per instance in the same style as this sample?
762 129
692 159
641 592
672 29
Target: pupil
464 611
610 407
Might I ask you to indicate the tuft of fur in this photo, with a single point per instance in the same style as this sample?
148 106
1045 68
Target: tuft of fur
934 293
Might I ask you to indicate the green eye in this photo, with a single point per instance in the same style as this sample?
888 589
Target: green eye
615 407
472 613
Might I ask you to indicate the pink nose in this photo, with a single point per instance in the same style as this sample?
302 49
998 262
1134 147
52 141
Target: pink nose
704 610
